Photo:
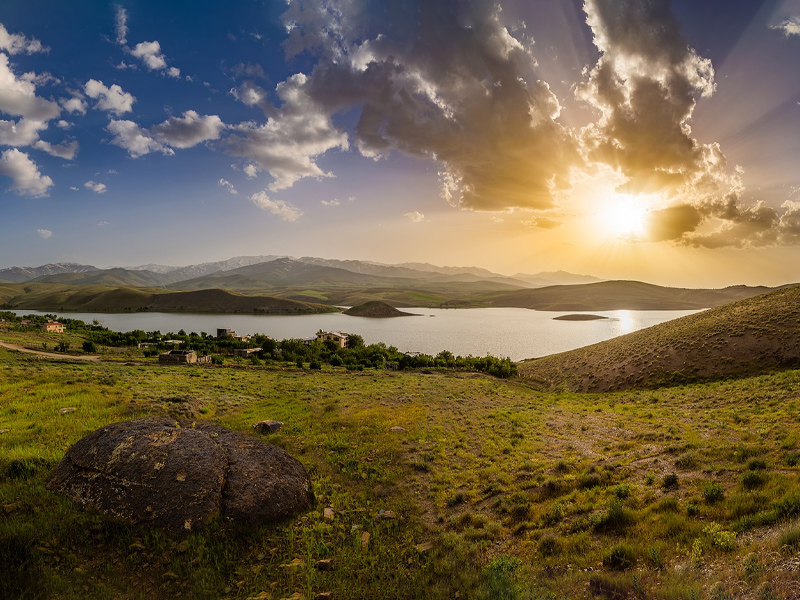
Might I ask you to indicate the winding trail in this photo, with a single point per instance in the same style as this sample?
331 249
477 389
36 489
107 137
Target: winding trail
17 348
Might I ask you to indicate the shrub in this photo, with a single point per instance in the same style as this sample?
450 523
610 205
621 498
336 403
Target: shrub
687 461
757 464
90 348
620 558
753 480
713 492
616 518
549 545
217 359
720 538
790 539
315 365
500 577
670 481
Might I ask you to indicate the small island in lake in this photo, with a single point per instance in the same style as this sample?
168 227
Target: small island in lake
376 310
579 317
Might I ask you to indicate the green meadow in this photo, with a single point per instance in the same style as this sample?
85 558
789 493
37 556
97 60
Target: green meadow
492 489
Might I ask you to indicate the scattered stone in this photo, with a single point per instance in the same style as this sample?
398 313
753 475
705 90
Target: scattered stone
385 515
2 431
295 563
365 540
268 426
424 547
129 472
325 564
67 410
397 429
9 508
328 514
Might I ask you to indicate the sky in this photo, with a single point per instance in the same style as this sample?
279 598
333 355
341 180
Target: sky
626 139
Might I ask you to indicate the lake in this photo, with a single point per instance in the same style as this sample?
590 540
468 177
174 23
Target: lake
517 333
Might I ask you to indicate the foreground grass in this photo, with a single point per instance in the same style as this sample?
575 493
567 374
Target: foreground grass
492 490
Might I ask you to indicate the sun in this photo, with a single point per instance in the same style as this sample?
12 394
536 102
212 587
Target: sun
624 217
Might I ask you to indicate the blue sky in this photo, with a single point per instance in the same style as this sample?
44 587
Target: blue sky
642 139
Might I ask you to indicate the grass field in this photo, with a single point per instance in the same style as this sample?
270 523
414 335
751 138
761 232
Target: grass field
493 489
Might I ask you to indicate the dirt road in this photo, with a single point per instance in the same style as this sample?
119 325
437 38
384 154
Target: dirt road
8 346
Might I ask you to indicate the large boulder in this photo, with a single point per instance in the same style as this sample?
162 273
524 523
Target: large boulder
179 475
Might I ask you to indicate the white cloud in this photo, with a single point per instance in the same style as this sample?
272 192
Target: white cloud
790 26
25 175
153 58
20 133
134 139
18 96
76 104
73 188
150 54
112 99
45 234
97 188
102 223
251 171
16 43
66 151
333 202
121 25
287 144
228 186
64 124
189 130
415 216
286 211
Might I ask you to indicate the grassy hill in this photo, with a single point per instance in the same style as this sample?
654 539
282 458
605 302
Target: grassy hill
621 295
54 297
747 337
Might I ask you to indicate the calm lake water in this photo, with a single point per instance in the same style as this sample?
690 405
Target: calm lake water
517 333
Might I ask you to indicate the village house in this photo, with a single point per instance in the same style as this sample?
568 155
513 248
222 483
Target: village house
338 337
53 327
183 357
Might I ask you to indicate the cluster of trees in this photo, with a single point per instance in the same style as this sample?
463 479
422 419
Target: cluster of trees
355 356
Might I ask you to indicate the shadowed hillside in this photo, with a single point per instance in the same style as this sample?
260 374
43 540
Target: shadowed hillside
743 338
105 299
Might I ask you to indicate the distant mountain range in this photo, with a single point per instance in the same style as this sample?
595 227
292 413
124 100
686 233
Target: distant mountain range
235 272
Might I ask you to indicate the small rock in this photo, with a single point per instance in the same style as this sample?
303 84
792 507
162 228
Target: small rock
424 547
2 431
397 429
386 515
268 426
67 410
325 564
328 513
295 563
9 508
365 540
295 596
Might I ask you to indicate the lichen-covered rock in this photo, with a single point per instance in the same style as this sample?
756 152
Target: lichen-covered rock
179 475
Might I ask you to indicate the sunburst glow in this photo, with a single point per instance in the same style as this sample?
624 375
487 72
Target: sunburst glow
624 217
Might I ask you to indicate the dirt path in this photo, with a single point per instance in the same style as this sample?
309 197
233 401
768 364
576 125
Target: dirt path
8 346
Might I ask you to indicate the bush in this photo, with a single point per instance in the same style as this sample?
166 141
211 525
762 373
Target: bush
713 492
719 538
790 539
757 464
315 365
217 359
500 578
617 517
670 482
620 558
549 545
335 361
752 480
90 348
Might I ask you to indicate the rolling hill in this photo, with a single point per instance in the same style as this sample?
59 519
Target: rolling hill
621 295
748 337
87 298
